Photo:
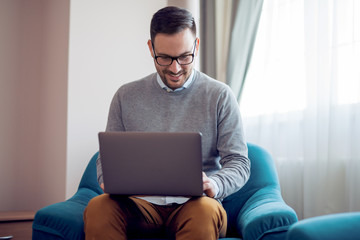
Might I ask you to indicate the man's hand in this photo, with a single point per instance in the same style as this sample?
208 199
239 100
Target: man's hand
102 187
208 187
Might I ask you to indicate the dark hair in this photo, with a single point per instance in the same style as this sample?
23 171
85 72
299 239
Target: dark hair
171 20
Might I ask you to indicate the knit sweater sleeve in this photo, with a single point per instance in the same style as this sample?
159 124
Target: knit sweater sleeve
231 145
114 124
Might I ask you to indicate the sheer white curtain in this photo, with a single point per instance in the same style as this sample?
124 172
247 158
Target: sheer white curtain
301 101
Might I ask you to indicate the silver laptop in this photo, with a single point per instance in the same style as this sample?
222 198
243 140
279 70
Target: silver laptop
151 163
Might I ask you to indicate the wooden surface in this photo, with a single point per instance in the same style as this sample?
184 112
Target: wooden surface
16 224
16 216
20 230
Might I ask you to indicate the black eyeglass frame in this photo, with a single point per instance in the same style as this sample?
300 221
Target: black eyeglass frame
175 58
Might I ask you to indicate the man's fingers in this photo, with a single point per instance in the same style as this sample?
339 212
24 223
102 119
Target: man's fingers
206 182
208 187
205 178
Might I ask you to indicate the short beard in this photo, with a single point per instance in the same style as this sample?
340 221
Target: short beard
162 73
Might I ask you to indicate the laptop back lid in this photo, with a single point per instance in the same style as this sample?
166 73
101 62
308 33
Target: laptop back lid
151 163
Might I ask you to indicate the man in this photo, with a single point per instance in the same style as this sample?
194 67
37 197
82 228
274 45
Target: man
176 98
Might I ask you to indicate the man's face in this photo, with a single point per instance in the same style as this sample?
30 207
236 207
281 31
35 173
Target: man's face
175 75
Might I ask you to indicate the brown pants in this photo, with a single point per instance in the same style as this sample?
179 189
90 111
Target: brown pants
110 217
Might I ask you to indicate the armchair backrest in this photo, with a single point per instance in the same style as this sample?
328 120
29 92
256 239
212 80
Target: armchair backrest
89 178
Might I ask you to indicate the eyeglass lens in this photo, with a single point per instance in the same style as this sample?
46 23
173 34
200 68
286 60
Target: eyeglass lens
182 60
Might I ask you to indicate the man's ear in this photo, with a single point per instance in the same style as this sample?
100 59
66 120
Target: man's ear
149 43
197 46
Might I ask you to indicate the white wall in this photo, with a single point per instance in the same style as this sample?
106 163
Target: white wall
107 49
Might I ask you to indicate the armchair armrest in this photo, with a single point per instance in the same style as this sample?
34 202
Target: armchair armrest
344 226
264 215
63 220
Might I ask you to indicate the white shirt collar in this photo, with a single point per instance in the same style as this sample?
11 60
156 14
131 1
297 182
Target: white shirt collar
186 84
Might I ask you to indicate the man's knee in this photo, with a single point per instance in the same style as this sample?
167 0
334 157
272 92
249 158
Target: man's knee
98 200
205 210
101 209
205 206
103 220
99 203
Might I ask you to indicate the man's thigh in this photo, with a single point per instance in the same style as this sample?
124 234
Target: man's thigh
123 215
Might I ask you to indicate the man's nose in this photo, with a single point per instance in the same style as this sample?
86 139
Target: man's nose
175 67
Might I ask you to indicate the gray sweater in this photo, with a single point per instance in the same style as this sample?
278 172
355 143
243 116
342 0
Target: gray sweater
207 106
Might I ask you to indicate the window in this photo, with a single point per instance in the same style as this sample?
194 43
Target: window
303 51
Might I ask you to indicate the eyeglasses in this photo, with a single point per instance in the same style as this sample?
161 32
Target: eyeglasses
181 60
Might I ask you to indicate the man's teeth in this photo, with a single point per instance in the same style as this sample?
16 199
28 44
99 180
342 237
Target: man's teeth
175 75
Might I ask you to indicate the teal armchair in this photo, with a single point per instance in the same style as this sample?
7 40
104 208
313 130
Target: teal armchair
257 211
344 226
